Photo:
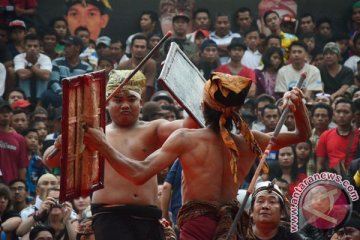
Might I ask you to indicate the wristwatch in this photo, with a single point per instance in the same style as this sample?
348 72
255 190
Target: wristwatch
29 65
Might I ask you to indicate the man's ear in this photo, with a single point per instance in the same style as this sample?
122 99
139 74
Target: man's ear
104 20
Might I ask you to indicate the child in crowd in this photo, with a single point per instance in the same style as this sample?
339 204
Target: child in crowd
106 64
303 150
35 168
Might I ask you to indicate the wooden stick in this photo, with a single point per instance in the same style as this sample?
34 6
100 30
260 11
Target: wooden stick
271 143
141 64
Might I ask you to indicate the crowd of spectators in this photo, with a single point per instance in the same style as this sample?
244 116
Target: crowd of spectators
33 63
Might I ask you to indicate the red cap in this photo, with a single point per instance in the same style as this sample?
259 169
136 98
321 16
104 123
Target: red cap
204 32
20 104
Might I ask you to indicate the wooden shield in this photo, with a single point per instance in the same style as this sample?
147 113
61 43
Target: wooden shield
184 82
82 171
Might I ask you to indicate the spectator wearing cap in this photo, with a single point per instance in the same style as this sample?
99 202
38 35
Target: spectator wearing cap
138 52
148 23
273 22
13 156
234 67
163 98
289 74
252 56
180 24
17 37
33 69
223 36
152 111
92 14
103 46
268 209
209 58
201 21
288 24
335 77
63 67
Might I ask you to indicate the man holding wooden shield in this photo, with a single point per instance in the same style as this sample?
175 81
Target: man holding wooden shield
212 167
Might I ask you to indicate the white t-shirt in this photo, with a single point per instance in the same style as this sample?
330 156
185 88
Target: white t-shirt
251 59
351 63
2 79
288 77
44 61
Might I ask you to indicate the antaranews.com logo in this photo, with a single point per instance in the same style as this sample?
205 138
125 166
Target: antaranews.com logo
323 200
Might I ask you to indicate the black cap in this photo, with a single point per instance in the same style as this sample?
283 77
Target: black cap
5 104
73 40
182 15
237 42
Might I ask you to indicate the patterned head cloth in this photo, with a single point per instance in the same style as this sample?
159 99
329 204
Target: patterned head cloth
224 84
116 77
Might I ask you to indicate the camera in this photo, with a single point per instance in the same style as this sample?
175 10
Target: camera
57 205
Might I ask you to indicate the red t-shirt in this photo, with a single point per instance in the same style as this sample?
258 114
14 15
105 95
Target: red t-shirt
333 147
13 155
245 72
292 186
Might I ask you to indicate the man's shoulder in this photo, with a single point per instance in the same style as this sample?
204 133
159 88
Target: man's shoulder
20 56
125 65
60 61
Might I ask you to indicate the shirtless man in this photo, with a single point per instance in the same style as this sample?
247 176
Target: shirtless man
208 179
123 209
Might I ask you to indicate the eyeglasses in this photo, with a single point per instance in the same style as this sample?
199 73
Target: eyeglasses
19 188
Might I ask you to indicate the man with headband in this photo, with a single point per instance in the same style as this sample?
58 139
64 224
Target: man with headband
122 209
214 161
268 208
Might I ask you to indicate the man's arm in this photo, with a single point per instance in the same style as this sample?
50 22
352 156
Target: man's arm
24 73
165 200
43 74
339 92
134 170
303 128
320 161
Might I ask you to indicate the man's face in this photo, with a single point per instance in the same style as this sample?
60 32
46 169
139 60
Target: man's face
325 29
49 42
330 58
244 20
45 182
146 23
307 25
18 34
274 42
139 49
343 114
202 21
18 192
84 36
318 60
267 209
153 41
259 108
344 45
5 117
236 54
320 119
348 233
222 26
355 16
310 43
19 122
116 51
60 28
32 47
180 26
124 108
272 21
210 54
290 122
88 16
297 55
71 51
252 40
106 65
270 118
103 50
32 141
44 235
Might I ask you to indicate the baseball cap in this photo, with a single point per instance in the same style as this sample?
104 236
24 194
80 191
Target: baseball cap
237 42
5 104
162 95
182 15
287 18
17 24
21 103
332 47
150 109
207 43
73 40
103 40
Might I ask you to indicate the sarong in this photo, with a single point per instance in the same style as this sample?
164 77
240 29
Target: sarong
128 222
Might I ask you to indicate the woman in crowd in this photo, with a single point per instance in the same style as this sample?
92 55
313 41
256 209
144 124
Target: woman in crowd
273 60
